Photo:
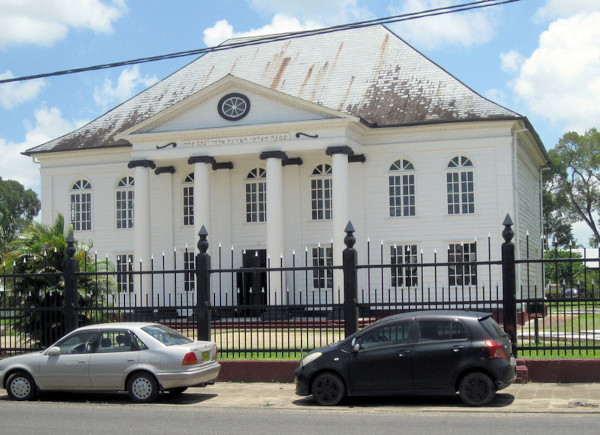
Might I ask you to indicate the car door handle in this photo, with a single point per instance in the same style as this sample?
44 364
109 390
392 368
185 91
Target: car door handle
457 348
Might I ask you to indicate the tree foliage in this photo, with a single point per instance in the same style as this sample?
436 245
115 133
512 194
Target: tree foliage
18 207
572 186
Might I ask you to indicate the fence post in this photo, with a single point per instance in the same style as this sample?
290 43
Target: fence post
203 288
509 310
70 268
349 262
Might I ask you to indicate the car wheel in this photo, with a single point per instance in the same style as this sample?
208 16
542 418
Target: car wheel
21 386
476 389
177 391
328 389
142 387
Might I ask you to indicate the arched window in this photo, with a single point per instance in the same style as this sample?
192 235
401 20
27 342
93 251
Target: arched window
401 187
256 195
320 191
188 200
124 202
81 205
460 187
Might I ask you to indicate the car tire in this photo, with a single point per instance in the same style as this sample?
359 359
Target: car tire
21 386
142 387
476 389
176 391
328 389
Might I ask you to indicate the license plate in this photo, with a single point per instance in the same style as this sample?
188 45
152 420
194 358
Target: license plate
205 356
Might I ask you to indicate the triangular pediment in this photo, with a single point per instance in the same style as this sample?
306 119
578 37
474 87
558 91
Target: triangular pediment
233 102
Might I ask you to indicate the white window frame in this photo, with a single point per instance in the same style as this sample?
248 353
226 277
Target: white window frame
403 255
401 189
188 200
321 192
462 275
124 263
460 186
256 196
124 203
322 256
81 205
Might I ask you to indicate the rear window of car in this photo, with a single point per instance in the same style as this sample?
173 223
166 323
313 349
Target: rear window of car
166 335
491 327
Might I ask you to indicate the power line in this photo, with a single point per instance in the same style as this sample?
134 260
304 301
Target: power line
279 37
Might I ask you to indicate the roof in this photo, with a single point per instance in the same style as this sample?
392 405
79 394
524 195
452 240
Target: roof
369 72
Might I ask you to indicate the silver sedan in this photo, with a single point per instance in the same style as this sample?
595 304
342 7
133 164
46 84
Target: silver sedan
143 359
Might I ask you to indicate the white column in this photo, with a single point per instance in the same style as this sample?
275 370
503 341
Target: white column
142 235
341 213
201 197
275 224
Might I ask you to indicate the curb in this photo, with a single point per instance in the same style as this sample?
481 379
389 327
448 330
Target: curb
567 371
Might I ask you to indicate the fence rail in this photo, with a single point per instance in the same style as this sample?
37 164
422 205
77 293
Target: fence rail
267 310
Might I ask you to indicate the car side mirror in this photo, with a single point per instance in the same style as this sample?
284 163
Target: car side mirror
355 345
53 351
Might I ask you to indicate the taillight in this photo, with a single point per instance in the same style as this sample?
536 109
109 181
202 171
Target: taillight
496 349
189 359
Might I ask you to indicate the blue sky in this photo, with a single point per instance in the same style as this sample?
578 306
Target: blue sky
540 58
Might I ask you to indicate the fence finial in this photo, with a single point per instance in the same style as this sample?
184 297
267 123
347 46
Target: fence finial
70 245
508 233
349 240
203 243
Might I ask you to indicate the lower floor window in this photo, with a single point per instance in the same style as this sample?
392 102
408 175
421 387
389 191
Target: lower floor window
190 267
322 278
124 275
403 273
461 273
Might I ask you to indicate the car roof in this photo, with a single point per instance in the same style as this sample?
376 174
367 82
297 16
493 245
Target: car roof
433 314
117 325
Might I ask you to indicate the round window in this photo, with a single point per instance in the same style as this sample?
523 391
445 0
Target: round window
234 107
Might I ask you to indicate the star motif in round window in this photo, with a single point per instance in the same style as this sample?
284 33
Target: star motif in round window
234 107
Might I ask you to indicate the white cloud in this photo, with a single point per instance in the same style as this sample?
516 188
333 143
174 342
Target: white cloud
466 29
511 61
14 93
554 9
222 30
49 124
561 79
47 21
127 83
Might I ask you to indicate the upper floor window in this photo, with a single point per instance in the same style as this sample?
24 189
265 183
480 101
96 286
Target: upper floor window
320 191
460 186
124 202
81 205
256 196
401 188
188 200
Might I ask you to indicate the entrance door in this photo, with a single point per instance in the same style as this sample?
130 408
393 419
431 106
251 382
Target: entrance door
252 284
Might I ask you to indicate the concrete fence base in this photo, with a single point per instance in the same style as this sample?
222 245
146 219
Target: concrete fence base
537 371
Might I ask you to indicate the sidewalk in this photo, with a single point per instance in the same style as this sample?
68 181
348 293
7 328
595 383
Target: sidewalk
518 398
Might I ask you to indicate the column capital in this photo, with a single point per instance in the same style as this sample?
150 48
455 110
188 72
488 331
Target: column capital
164 170
141 164
201 159
343 149
273 155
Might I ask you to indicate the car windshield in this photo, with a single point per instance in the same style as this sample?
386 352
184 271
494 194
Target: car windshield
166 335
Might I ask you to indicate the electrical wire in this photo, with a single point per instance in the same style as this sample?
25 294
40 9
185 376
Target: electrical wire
248 41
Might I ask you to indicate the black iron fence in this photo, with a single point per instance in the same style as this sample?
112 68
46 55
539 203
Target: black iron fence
262 308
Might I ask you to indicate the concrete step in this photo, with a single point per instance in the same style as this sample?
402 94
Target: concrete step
522 372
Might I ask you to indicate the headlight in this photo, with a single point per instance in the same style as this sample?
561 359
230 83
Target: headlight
310 358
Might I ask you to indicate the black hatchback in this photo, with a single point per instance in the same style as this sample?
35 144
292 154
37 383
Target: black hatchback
425 352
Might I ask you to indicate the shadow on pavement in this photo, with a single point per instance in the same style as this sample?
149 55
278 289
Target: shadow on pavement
118 398
501 400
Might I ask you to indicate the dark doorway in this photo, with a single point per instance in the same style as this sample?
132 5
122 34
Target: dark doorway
252 284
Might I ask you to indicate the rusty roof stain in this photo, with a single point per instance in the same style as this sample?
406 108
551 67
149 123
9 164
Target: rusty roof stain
370 73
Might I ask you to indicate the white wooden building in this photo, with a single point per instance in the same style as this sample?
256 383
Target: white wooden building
274 147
